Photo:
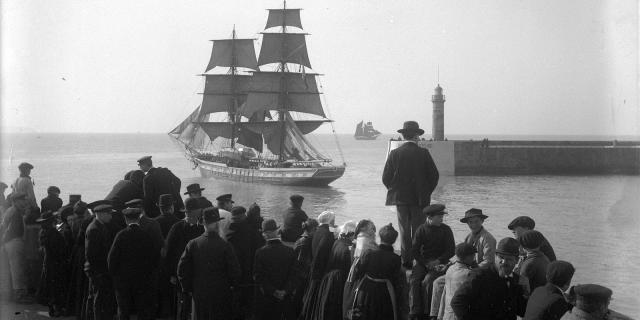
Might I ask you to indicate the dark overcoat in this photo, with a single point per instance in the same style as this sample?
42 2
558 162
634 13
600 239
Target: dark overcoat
487 296
180 234
209 269
321 245
166 221
410 176
534 267
133 256
98 240
274 269
50 203
124 191
243 239
546 303
156 182
55 266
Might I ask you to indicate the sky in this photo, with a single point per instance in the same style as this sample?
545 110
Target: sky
507 67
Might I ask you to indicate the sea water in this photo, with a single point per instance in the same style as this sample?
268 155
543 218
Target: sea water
591 221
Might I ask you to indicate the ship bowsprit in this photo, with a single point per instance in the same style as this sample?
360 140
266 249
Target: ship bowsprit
297 176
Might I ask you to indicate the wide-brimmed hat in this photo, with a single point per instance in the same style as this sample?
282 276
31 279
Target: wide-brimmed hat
46 216
194 187
411 126
508 246
473 212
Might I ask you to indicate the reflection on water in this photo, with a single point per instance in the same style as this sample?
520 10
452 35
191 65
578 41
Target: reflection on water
591 221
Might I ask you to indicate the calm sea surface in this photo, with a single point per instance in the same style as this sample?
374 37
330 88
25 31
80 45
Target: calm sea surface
591 221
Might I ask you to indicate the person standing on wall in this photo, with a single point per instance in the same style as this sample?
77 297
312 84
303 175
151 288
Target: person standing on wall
410 176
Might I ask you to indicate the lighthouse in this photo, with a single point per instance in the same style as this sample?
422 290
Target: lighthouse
437 129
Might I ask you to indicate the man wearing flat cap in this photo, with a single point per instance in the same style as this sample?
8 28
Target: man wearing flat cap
156 182
98 240
494 292
534 265
523 223
209 271
410 176
433 246
293 219
224 205
132 260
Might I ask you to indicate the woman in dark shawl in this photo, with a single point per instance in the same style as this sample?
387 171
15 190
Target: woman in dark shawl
378 294
329 299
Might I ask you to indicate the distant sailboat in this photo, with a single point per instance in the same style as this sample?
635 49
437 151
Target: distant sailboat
258 134
365 131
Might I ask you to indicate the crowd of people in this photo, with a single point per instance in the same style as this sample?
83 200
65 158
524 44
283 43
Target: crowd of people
144 250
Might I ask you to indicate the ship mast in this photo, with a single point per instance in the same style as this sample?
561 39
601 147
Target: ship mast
232 112
283 85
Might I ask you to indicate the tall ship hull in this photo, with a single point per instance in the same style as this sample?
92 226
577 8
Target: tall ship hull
256 114
366 137
319 176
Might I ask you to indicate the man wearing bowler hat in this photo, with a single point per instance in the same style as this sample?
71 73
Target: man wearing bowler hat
195 191
494 292
209 270
410 176
158 181
167 218
433 246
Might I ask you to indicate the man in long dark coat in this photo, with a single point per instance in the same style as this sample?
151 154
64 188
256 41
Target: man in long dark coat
293 219
180 234
243 239
494 292
410 176
208 269
275 273
132 261
158 181
79 283
98 240
166 220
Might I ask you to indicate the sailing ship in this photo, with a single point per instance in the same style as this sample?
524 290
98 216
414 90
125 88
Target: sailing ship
255 114
365 131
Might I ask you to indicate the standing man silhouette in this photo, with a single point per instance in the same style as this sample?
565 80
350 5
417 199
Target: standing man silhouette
410 176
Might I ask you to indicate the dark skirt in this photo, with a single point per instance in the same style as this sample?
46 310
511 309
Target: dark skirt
308 302
375 299
329 298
